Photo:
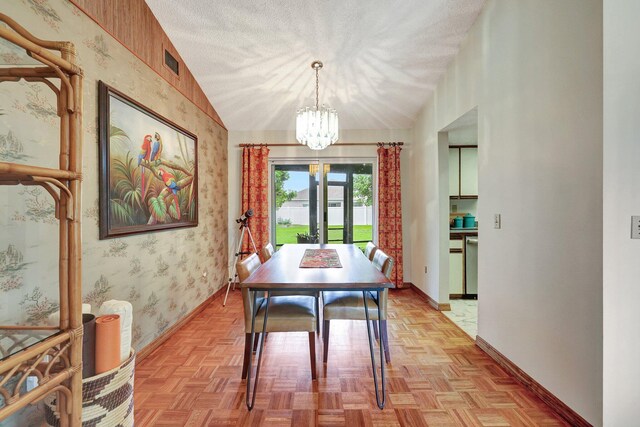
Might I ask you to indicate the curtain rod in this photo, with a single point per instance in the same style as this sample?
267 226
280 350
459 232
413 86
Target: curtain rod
379 144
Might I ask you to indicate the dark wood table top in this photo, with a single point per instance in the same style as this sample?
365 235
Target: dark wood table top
283 271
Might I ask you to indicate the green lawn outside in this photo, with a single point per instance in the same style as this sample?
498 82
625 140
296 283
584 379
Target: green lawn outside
288 234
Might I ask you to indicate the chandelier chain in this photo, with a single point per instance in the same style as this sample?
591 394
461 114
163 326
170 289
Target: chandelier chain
317 87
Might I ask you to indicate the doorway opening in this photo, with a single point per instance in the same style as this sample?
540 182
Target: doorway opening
459 144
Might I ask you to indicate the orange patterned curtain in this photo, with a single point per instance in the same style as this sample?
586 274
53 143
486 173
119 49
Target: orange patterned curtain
255 194
390 209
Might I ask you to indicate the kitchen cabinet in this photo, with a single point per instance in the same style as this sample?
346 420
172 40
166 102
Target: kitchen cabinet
456 271
454 172
463 172
463 264
456 274
468 171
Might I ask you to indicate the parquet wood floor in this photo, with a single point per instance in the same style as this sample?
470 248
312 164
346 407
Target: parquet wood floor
438 377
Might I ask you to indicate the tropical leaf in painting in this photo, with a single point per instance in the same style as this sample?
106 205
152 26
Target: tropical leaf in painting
116 132
173 212
121 212
185 195
182 143
126 169
148 181
178 174
192 210
158 186
183 199
158 208
118 139
127 182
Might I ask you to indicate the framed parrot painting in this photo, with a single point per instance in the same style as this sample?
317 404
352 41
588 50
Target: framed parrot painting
148 169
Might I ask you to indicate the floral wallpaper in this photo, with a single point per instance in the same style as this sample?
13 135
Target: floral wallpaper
164 275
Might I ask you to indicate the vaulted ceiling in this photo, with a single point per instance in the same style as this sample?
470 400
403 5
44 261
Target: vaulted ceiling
382 58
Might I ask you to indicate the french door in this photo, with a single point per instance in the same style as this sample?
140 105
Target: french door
323 201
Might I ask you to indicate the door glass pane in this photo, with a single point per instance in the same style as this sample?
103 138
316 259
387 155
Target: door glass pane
336 209
349 203
296 203
362 204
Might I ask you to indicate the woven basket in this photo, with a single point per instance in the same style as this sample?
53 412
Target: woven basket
107 399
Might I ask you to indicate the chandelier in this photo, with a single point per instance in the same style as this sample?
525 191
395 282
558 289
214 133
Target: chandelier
317 127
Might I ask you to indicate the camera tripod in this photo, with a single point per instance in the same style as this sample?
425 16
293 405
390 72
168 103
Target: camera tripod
244 226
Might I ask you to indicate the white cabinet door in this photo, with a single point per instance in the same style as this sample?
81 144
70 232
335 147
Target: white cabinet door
455 243
468 171
454 172
455 273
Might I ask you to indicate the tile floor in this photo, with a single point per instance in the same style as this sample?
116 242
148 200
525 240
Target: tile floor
464 313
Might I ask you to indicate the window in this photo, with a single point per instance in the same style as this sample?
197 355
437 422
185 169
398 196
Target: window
294 195
324 202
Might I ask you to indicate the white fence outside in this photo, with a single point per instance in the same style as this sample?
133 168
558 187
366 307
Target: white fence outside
362 215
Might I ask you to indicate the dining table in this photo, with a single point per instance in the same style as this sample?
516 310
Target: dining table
283 272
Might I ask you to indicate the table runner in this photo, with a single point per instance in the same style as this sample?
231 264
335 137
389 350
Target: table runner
320 258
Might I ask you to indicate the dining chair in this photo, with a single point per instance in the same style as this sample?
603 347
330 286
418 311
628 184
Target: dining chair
370 250
266 252
294 313
348 305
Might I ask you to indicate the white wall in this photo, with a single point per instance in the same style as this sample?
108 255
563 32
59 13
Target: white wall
300 152
534 70
466 135
621 200
467 206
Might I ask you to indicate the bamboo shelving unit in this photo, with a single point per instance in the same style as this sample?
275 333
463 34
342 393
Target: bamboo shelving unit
53 356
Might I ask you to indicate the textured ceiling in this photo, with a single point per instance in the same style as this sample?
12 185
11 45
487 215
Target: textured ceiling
382 58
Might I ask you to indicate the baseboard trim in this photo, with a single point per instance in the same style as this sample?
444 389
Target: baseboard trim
146 351
568 414
438 306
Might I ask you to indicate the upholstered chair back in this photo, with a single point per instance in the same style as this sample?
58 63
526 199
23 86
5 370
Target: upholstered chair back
266 252
379 260
245 268
370 250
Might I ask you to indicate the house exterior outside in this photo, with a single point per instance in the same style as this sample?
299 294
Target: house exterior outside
296 210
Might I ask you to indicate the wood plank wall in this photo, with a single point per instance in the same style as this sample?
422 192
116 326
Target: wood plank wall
132 23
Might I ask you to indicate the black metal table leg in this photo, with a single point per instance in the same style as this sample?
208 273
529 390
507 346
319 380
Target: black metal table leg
250 400
379 400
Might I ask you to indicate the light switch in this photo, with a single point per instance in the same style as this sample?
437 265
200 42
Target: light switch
635 227
497 221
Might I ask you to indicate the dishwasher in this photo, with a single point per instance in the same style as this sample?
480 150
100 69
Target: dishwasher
471 266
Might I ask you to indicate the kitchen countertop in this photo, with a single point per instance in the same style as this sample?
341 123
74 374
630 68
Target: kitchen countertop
460 231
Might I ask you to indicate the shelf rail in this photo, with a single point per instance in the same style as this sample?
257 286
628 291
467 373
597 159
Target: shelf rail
56 360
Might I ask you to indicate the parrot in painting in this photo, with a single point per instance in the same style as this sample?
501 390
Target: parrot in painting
145 150
145 154
170 182
156 148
